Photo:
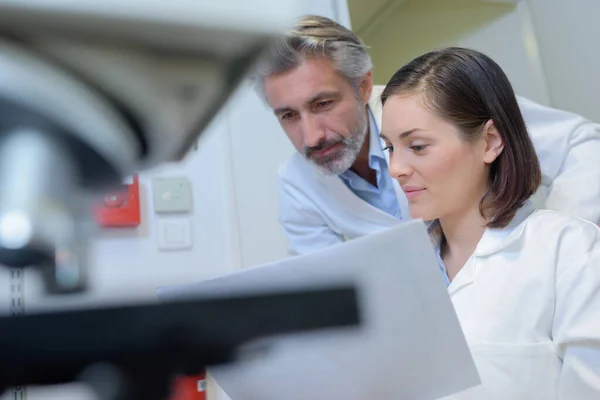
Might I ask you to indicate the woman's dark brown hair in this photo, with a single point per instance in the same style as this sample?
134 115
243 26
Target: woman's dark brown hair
467 88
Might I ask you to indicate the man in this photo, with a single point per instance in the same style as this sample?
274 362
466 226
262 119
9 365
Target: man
337 187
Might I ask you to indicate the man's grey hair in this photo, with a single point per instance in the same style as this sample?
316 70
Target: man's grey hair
314 36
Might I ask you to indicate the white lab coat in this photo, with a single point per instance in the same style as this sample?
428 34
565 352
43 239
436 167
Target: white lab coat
528 301
316 211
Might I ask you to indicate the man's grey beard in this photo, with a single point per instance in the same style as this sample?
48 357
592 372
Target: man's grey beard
342 161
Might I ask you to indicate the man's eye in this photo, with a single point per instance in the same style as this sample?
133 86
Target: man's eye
286 116
324 103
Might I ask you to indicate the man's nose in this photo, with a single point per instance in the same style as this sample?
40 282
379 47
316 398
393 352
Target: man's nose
312 132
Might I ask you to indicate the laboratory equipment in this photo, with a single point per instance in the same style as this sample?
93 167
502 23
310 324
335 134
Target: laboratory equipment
90 92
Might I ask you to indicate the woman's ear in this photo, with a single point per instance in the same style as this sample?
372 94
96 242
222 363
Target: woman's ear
494 144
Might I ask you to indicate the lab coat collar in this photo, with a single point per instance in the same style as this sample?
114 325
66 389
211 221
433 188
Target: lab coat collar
494 240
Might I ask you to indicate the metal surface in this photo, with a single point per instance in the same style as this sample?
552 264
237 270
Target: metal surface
17 308
143 347
170 65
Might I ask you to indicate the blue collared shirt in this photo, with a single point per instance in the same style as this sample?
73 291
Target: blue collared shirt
384 195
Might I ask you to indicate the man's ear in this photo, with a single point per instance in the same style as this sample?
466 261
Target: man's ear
494 144
366 87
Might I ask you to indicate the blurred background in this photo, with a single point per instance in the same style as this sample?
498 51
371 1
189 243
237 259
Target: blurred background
548 48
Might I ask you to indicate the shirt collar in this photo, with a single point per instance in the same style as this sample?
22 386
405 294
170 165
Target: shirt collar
493 239
376 155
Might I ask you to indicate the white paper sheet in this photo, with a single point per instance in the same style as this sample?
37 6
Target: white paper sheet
410 344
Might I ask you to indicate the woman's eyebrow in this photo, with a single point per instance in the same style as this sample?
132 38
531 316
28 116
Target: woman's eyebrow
402 135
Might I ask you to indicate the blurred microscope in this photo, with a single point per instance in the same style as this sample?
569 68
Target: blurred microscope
91 91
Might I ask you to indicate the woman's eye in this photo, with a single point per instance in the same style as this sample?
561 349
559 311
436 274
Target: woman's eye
388 148
418 148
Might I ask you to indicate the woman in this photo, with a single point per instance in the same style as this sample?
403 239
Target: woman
525 283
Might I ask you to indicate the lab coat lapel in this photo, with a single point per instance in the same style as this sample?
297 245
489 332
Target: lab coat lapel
354 204
465 276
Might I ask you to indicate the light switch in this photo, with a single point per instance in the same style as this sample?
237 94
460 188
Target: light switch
174 234
172 194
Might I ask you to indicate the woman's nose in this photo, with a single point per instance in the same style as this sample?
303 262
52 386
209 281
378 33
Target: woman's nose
399 168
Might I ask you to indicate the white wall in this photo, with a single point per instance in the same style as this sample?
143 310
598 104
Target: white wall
126 264
510 40
234 222
568 34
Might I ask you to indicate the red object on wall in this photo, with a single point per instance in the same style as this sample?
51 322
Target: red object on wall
189 387
121 207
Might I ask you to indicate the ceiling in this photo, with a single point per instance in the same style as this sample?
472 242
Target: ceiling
364 11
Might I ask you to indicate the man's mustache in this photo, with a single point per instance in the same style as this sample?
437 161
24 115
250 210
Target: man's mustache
324 144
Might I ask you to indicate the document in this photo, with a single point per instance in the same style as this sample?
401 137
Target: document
409 344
